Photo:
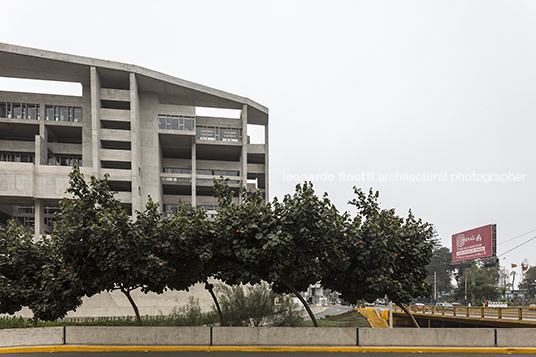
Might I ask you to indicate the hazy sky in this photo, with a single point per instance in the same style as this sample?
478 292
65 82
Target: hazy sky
421 100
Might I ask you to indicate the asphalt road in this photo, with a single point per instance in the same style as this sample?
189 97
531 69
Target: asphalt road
332 310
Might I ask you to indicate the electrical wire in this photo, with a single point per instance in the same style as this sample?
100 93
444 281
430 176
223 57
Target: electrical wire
521 235
525 242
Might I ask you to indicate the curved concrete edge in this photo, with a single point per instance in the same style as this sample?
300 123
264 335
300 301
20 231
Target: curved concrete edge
66 348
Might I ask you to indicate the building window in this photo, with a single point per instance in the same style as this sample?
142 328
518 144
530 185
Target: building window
19 111
176 179
174 170
17 157
170 208
209 207
52 209
176 122
218 172
218 134
63 113
25 209
64 160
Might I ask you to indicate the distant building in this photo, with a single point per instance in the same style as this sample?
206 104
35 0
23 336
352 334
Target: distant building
139 126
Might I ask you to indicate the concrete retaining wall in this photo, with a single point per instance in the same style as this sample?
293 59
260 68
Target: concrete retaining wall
129 335
516 337
41 336
284 336
268 336
423 337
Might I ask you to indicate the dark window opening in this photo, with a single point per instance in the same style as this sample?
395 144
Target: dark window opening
113 104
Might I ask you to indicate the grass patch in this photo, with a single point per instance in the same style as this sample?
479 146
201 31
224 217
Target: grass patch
348 319
20 322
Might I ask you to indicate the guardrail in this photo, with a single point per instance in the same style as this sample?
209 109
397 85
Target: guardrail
512 313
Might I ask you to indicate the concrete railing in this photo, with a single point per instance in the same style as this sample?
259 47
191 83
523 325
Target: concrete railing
266 336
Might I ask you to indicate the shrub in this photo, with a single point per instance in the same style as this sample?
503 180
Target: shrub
255 306
191 315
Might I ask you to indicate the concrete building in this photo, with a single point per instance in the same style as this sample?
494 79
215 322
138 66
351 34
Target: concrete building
140 126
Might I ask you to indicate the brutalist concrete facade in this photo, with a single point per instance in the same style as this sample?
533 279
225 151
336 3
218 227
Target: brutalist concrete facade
137 125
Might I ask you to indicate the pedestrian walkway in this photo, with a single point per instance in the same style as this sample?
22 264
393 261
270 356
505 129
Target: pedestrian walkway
373 317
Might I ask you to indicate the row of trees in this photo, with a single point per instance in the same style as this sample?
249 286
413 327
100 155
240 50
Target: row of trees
488 285
96 246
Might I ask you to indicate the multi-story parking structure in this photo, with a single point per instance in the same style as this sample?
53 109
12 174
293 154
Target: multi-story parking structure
137 125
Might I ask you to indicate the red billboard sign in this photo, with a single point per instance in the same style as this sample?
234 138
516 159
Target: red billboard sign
476 243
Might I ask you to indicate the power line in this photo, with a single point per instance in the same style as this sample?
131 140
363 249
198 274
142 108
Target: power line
517 246
521 235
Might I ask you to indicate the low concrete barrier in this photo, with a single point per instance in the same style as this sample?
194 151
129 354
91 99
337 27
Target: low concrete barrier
284 336
268 336
135 335
516 337
423 337
41 336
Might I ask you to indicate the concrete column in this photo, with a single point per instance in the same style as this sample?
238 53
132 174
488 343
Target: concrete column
244 158
266 164
39 218
194 172
41 148
95 120
41 152
87 127
135 143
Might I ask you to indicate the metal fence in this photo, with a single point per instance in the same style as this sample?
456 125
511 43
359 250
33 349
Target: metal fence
519 313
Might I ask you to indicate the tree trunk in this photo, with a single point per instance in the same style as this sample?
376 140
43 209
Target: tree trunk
136 311
400 305
298 295
35 320
210 288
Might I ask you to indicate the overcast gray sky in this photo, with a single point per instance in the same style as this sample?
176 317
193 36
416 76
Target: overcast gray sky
441 90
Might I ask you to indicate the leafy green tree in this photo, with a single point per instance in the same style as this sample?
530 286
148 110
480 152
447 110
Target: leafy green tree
485 287
289 243
529 282
33 275
185 241
386 255
441 264
101 245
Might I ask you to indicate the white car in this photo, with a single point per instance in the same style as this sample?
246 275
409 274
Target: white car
445 304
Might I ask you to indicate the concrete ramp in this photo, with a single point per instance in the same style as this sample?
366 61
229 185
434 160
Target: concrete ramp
373 318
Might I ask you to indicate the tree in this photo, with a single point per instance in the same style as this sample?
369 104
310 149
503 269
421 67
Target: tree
529 282
185 241
485 287
33 275
289 244
101 245
386 255
441 265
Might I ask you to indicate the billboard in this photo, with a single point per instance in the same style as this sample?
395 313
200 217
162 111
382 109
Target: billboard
479 242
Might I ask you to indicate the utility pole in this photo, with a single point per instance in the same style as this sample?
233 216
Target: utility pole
435 287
